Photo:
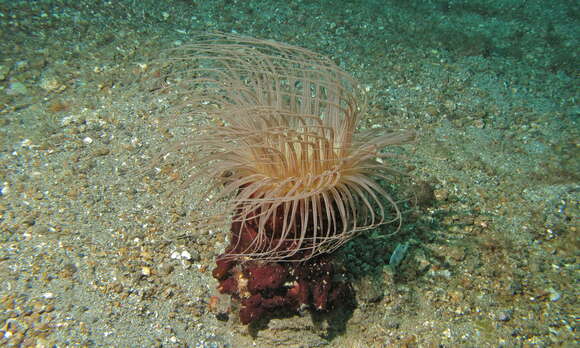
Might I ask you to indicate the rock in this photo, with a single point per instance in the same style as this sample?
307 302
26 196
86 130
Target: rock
4 70
368 290
17 88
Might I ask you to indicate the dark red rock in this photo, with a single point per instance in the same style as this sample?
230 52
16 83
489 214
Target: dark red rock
266 276
267 287
282 287
228 286
222 269
251 309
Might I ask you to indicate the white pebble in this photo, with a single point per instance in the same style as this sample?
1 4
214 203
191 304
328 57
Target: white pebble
146 271
5 189
554 295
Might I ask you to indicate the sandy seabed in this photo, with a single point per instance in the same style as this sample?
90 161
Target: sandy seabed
97 249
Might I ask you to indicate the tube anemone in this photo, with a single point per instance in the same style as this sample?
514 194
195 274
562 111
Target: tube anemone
280 146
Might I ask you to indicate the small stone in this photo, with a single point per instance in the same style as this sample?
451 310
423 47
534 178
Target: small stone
38 307
42 342
68 270
194 256
116 287
424 194
369 290
50 84
29 220
146 271
442 273
41 230
3 72
17 88
515 288
554 295
186 264
479 124
4 189
423 264
504 315
167 293
21 65
101 151
441 195
166 269
456 253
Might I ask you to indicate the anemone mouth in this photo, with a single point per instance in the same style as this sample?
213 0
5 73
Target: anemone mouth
279 145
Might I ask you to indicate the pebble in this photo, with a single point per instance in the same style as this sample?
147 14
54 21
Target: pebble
515 288
17 88
441 195
456 254
5 189
146 271
369 290
479 124
21 65
554 295
185 255
28 220
3 72
50 84
166 269
101 151
68 270
444 273
504 315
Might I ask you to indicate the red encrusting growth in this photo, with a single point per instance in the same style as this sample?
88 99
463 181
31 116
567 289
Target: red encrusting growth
270 287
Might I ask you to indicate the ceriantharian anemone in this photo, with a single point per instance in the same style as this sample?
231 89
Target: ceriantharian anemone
279 144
